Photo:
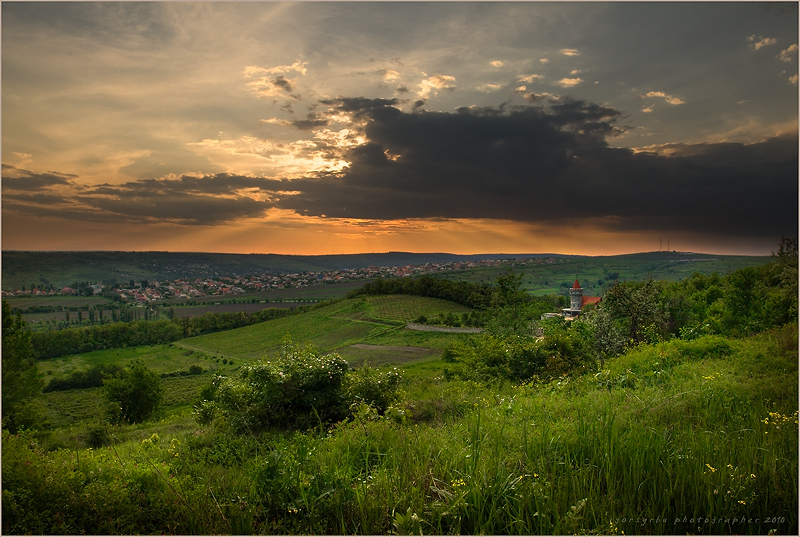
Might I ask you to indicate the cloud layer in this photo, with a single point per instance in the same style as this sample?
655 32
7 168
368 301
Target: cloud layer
548 164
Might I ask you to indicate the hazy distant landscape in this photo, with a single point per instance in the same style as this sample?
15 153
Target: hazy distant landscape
44 286
61 269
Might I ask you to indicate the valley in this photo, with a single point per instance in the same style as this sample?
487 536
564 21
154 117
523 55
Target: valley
500 431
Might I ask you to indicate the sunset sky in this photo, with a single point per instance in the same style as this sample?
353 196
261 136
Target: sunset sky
322 128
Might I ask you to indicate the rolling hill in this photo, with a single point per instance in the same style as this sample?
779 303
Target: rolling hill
545 271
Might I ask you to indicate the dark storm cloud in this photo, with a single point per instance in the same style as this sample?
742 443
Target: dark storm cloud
545 164
215 185
20 179
283 83
195 200
362 107
188 200
183 208
551 164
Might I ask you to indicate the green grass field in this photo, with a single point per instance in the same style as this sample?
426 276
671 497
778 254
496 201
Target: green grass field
366 329
159 358
680 437
694 435
365 320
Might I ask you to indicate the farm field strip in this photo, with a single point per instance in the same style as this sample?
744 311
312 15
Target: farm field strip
72 406
376 320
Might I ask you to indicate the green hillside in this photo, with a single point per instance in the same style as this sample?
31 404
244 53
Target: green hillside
370 320
373 322
689 427
695 437
542 277
545 271
370 329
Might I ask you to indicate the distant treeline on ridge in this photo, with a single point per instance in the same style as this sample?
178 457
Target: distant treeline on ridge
478 296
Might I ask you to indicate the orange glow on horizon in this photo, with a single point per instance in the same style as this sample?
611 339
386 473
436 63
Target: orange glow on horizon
290 234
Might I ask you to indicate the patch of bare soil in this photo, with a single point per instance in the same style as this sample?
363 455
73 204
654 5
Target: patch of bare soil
386 354
397 348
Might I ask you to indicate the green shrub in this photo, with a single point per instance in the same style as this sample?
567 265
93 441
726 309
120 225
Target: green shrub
301 389
372 386
98 434
566 349
134 395
205 412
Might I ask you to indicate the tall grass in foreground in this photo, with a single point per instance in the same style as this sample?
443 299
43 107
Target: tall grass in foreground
679 437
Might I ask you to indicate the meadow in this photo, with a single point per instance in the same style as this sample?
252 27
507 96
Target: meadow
691 433
676 437
366 329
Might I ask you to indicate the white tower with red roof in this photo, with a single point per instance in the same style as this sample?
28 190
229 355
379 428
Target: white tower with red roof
577 301
576 296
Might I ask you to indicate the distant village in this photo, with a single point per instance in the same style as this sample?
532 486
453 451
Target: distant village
145 291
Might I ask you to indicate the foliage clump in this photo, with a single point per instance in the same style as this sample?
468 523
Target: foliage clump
134 395
301 388
21 382
372 386
564 348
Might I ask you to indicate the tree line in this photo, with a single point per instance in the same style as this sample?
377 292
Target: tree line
135 333
478 296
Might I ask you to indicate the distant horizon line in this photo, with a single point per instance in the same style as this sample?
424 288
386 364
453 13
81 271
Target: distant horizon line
537 254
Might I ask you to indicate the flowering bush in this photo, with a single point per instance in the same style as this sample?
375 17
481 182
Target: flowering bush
301 388
372 386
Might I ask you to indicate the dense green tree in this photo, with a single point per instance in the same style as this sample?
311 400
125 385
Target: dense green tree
783 302
134 395
507 290
566 347
607 336
636 309
21 381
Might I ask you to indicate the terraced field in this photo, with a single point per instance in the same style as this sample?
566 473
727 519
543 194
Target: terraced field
365 329
375 321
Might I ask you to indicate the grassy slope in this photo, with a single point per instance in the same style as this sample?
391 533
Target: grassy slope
679 437
549 278
367 320
375 322
372 320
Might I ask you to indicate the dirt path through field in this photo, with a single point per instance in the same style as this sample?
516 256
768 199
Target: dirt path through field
450 329
397 348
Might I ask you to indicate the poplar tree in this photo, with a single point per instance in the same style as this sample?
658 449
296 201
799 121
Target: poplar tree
21 381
